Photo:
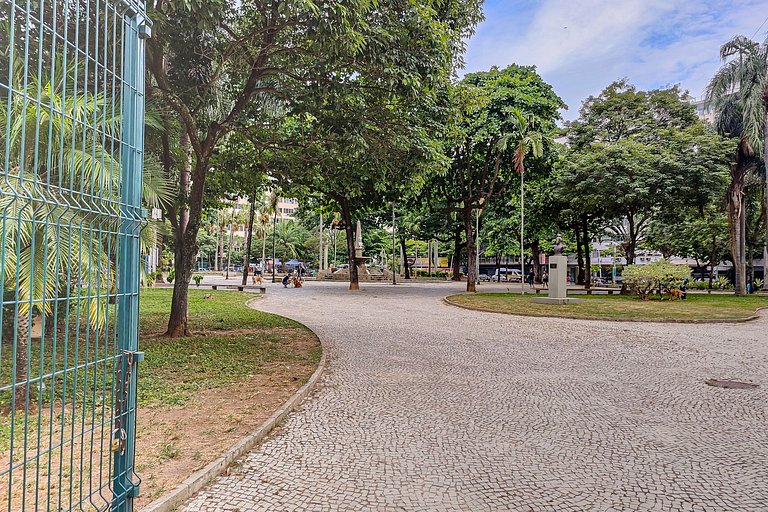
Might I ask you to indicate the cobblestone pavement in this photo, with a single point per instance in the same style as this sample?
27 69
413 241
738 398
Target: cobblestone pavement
427 407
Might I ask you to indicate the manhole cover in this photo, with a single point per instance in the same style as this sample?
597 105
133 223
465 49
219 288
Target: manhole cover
730 384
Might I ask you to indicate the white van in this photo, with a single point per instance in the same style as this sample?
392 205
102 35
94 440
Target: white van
511 275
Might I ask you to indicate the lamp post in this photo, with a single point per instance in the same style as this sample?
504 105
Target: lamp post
477 246
394 279
522 228
320 260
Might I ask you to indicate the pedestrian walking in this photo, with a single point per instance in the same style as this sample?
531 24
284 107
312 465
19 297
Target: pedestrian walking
545 279
530 278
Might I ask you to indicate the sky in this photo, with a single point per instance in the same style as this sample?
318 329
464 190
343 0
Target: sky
581 46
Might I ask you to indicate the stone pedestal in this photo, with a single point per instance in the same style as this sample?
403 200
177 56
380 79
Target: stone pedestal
558 277
558 281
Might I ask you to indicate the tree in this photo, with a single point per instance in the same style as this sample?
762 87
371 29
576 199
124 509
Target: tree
701 235
239 171
523 139
636 155
212 62
489 142
272 202
739 94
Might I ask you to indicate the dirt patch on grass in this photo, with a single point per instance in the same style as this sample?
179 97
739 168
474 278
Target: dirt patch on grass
174 442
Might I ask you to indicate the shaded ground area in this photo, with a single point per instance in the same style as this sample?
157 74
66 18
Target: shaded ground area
429 407
197 396
620 307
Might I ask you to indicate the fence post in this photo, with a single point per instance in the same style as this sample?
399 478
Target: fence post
135 30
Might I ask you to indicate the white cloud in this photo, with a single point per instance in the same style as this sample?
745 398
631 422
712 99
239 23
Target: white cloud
582 45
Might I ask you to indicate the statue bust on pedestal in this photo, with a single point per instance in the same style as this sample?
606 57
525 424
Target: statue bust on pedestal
558 271
559 247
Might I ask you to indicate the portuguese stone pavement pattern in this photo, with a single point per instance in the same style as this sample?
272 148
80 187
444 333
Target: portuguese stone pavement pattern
428 407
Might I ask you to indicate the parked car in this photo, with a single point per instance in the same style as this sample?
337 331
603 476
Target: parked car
484 277
511 275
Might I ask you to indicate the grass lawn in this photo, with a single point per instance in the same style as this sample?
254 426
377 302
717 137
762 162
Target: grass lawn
231 342
197 395
620 307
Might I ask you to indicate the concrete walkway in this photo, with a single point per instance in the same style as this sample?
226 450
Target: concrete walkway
427 407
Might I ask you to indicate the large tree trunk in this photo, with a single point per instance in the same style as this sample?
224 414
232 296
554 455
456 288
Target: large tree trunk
406 266
535 254
185 247
736 228
579 256
248 241
471 251
458 245
631 246
178 324
587 255
22 359
349 229
765 192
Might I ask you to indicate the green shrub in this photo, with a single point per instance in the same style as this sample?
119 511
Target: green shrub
660 275
722 283
700 285
435 273
759 284
197 278
171 275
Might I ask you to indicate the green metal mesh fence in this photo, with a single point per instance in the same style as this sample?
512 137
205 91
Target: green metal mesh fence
71 128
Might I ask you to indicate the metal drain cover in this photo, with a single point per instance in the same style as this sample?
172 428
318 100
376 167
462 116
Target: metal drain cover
730 384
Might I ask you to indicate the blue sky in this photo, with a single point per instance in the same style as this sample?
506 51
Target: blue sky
580 46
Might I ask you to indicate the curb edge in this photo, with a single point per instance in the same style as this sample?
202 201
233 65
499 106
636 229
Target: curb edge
195 482
755 316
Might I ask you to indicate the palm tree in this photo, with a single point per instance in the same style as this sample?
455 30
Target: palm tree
56 200
256 201
156 193
262 229
739 94
289 237
523 139
59 196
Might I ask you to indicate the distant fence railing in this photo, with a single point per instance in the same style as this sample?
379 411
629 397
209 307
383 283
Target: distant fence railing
71 129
